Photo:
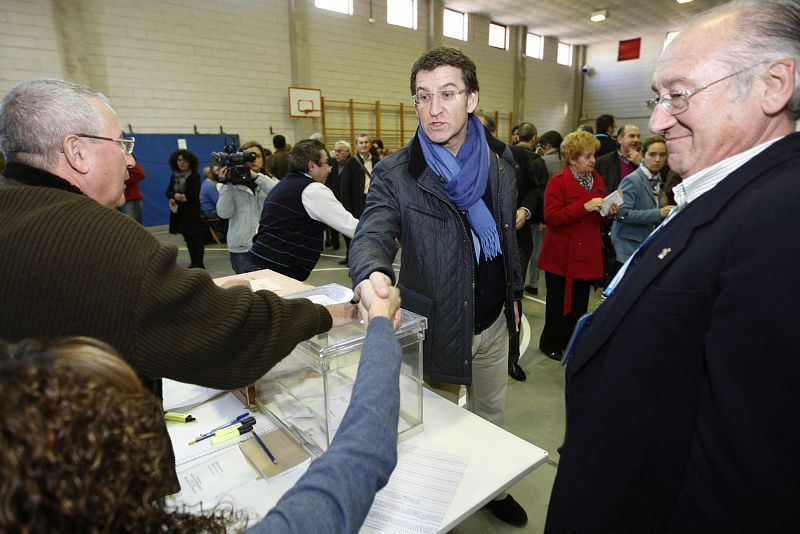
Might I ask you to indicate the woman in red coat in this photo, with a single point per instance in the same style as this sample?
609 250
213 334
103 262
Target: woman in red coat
571 255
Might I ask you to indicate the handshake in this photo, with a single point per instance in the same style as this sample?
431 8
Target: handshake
373 297
377 297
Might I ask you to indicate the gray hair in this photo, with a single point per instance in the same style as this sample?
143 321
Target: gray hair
36 116
342 143
763 30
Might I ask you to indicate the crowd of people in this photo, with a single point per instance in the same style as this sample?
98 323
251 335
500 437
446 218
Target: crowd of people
680 386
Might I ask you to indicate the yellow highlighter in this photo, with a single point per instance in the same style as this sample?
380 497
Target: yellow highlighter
180 417
229 433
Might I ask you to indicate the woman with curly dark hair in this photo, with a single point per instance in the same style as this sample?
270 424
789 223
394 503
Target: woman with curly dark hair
183 193
78 449
79 453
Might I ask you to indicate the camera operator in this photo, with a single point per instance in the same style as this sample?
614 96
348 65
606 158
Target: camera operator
240 201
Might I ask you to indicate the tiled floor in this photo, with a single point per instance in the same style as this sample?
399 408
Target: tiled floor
534 408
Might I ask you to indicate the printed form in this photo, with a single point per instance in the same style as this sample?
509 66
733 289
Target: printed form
418 493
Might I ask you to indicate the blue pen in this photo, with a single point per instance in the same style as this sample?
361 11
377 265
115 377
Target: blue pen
211 432
264 446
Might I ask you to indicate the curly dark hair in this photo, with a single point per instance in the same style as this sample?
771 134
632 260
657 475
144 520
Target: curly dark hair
78 448
188 155
447 56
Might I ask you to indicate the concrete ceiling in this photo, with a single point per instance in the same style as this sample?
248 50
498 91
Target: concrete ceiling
568 20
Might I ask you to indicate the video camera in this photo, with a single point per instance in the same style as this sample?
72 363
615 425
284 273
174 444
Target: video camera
237 172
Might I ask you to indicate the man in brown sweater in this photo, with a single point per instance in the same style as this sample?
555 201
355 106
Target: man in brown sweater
72 265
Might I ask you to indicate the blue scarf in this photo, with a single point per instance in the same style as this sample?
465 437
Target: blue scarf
466 176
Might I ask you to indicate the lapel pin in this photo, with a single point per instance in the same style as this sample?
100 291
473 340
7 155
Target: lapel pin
664 252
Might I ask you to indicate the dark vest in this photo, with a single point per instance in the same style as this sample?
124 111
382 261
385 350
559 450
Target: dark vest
288 240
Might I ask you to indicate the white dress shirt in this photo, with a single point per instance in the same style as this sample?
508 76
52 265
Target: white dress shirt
322 206
705 180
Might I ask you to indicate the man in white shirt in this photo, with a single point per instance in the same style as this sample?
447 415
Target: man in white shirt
681 388
290 235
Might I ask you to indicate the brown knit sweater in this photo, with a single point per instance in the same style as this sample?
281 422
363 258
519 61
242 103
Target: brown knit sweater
72 267
69 266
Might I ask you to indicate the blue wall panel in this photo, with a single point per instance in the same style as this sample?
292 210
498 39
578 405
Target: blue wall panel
153 150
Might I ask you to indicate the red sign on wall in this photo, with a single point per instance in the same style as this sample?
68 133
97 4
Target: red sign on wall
629 49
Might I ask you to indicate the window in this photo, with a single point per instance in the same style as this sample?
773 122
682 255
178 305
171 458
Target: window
340 6
534 46
670 36
498 36
402 13
564 54
455 24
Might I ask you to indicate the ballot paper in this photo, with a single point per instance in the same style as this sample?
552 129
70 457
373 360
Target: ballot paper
325 295
287 452
614 199
179 396
419 491
210 478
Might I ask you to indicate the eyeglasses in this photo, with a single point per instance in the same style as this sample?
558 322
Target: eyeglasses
445 96
676 102
125 144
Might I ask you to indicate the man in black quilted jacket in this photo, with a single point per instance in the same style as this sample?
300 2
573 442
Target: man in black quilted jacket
449 197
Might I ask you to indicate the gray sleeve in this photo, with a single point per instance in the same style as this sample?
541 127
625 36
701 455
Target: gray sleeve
337 491
226 203
628 214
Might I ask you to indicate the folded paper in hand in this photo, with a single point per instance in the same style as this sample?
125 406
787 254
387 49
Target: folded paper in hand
614 199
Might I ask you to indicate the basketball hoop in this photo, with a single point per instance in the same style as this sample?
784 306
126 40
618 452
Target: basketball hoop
305 102
305 106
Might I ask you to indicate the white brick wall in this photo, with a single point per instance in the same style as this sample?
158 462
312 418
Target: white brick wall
29 43
168 65
495 66
621 88
549 92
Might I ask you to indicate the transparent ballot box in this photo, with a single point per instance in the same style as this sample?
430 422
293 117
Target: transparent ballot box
309 390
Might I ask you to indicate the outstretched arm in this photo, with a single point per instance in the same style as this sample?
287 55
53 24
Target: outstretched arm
337 491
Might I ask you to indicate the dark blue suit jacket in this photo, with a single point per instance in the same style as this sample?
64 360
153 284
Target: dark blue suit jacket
683 392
